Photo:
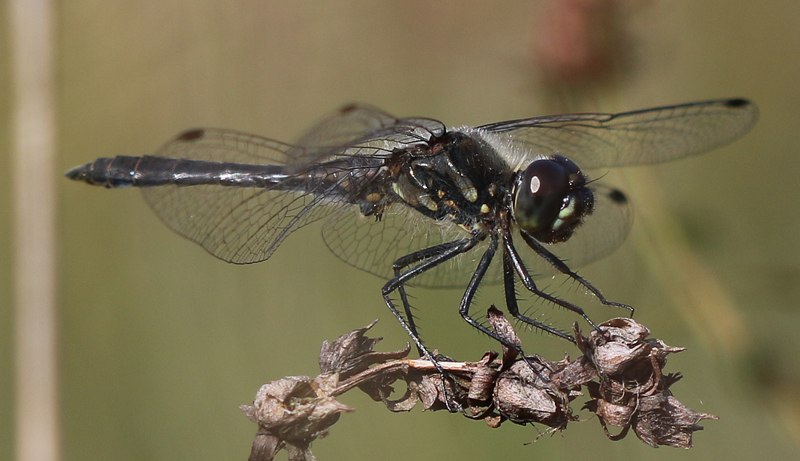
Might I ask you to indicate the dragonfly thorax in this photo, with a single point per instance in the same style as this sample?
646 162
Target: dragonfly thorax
459 178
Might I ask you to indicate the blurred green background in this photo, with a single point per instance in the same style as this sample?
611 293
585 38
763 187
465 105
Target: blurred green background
160 342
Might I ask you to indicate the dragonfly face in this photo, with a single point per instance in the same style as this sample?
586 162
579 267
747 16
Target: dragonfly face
551 199
410 200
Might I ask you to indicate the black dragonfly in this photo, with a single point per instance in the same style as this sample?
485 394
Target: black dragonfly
415 202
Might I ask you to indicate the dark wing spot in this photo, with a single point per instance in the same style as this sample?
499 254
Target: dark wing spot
348 108
191 135
737 102
617 196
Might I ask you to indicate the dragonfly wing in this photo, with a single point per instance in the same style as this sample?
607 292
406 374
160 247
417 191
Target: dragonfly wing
245 225
236 224
373 245
641 137
359 130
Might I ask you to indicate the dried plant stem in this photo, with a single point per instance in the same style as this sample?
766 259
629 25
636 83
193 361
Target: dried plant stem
619 366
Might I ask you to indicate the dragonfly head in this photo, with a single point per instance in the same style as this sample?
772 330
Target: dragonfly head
551 199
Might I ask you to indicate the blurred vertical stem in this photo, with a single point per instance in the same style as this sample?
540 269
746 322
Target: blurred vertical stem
33 115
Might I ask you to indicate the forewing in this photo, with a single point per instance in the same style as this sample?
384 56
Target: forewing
641 137
360 130
372 245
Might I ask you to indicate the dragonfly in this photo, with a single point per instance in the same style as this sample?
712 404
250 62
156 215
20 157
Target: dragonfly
421 204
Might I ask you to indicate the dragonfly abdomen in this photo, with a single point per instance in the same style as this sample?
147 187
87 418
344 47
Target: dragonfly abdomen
149 171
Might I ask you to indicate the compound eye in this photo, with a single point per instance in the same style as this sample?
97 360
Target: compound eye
540 195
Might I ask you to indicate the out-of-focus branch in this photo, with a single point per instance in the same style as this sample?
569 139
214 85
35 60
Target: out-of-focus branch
619 366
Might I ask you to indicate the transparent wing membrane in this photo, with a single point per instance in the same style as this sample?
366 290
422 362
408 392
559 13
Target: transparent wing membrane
632 138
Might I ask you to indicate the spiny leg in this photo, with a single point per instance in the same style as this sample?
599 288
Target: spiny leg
564 269
472 288
407 260
509 277
430 257
527 281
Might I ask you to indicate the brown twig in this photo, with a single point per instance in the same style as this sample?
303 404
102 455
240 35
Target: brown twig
621 369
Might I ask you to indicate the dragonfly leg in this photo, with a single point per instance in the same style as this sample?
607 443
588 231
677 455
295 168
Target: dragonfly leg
472 288
562 267
509 277
519 267
430 258
412 258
